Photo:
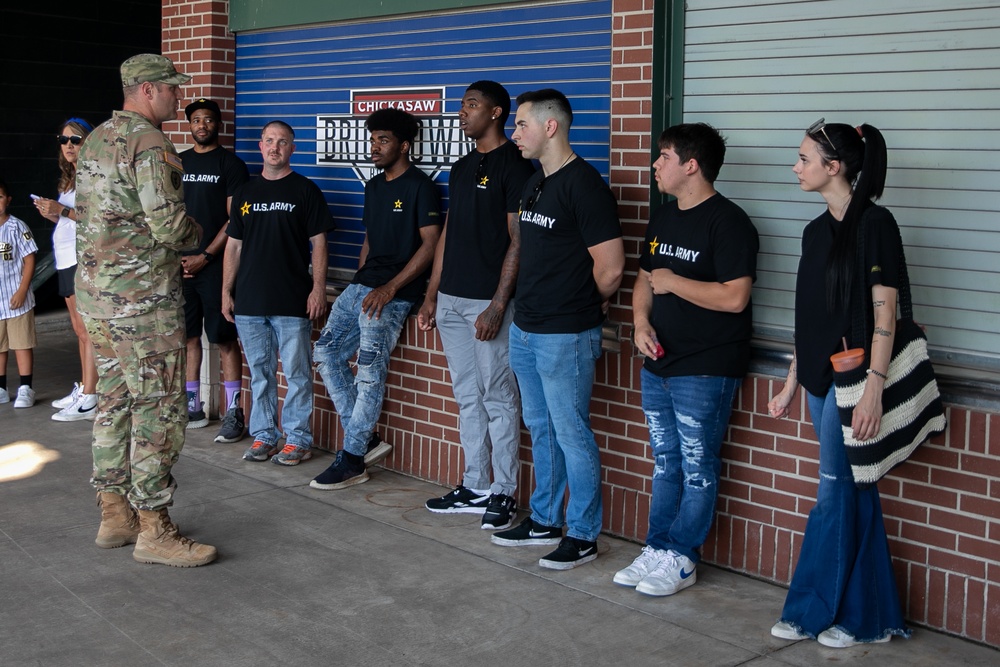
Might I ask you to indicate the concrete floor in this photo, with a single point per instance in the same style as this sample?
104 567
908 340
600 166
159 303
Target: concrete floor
363 576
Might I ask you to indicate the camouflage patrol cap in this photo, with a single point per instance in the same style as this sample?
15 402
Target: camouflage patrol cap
151 67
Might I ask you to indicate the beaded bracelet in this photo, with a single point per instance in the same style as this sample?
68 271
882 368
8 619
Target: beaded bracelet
877 374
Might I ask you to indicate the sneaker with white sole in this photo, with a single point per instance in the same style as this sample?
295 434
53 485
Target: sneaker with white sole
341 474
644 563
233 426
292 455
376 450
500 512
571 553
260 451
25 397
84 408
673 573
4 396
70 399
785 630
459 501
834 637
197 418
527 534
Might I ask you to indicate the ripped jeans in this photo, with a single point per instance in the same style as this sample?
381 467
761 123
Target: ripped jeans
348 330
687 418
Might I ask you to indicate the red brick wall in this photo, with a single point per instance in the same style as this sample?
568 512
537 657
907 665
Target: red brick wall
942 509
196 37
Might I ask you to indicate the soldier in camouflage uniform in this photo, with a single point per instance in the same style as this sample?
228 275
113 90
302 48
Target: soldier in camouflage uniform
132 227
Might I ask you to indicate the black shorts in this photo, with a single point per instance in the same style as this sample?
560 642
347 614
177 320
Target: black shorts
203 303
67 278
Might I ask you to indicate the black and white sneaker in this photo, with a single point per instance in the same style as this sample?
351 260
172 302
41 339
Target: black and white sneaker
571 552
527 534
233 426
500 512
459 501
376 450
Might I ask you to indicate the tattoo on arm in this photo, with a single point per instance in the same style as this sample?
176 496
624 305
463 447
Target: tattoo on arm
879 331
879 304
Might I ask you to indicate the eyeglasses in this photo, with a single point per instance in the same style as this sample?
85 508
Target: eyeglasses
535 194
820 126
76 139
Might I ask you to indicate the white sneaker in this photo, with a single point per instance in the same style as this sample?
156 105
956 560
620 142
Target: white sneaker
673 573
85 407
4 396
66 401
834 637
644 563
25 397
785 630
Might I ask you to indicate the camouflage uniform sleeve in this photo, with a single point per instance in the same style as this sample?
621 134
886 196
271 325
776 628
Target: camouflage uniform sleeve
159 178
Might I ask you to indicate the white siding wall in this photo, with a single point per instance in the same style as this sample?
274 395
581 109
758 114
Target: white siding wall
927 74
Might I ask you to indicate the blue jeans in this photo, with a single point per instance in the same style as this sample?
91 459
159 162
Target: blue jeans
687 418
555 373
264 338
348 331
844 575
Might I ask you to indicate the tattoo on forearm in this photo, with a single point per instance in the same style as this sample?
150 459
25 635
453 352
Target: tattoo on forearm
879 331
879 304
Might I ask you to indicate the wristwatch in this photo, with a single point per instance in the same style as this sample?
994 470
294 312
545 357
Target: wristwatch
65 212
208 257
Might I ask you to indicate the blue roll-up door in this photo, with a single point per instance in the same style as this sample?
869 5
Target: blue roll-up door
323 81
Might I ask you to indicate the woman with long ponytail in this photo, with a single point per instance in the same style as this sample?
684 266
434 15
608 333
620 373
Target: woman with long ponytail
81 403
843 591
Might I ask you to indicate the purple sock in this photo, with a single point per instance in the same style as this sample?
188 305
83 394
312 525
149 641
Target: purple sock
194 395
232 393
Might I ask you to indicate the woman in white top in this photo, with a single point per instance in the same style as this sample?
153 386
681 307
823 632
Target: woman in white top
81 403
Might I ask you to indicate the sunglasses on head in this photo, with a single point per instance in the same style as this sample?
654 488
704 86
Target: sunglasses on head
820 126
76 139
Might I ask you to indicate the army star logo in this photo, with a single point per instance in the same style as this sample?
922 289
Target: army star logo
484 180
397 205
245 208
652 246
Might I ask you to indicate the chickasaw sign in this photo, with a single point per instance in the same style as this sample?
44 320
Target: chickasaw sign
342 140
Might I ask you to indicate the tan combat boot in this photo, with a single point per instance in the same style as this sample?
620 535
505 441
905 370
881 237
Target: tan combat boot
119 523
159 542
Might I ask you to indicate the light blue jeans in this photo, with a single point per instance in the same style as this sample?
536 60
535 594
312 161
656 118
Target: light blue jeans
687 418
556 375
348 330
489 406
844 575
264 338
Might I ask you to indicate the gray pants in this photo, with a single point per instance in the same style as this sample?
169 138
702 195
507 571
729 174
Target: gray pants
489 404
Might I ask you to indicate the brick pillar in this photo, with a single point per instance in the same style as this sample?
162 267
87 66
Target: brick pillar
196 37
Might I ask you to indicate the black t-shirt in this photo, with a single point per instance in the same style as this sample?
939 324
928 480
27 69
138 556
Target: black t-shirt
394 213
209 178
713 242
818 332
572 211
275 220
484 188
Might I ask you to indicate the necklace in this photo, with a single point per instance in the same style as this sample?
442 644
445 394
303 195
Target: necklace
570 157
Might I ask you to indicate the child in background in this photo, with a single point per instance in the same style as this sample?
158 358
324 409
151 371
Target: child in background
17 302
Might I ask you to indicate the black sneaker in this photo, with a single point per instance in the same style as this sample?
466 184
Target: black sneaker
376 450
459 501
500 512
340 475
571 552
197 419
233 425
526 534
